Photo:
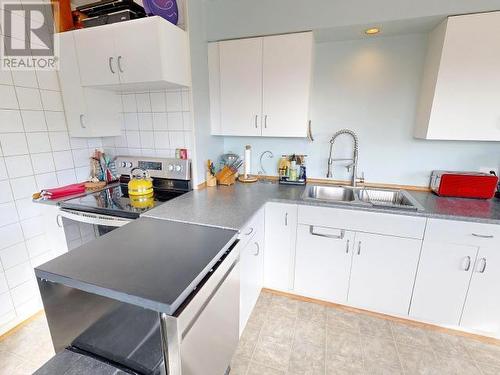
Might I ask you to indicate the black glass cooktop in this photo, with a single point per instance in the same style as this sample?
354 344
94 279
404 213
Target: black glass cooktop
115 201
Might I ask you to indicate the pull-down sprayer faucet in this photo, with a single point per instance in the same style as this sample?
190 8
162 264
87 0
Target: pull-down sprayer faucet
354 159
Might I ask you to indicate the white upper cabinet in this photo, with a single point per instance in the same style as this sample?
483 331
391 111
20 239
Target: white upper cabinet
147 53
241 86
89 112
261 86
286 82
460 92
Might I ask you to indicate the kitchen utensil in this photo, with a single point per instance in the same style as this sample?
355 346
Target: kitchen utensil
464 184
140 184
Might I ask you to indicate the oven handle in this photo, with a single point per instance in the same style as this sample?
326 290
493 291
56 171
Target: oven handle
92 218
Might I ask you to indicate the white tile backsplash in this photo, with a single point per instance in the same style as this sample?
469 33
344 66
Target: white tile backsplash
63 160
44 162
18 166
10 121
38 142
29 98
174 101
59 141
23 187
13 144
9 99
34 121
155 124
5 191
55 121
14 255
52 100
36 152
8 213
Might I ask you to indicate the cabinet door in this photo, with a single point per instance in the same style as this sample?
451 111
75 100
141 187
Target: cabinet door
287 66
442 280
96 56
383 272
54 229
251 276
138 58
323 262
241 86
482 308
281 225
72 92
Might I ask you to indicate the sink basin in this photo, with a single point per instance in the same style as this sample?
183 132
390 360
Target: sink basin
388 198
330 193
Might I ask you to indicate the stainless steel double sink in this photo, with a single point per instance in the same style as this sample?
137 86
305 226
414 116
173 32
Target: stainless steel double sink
364 196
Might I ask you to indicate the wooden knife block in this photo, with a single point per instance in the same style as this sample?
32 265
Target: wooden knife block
226 176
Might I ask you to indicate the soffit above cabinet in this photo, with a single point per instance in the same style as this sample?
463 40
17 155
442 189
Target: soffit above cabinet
460 92
146 53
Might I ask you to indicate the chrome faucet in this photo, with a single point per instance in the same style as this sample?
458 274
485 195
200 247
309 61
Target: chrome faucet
354 159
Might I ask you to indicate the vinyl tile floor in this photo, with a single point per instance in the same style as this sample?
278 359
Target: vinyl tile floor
285 336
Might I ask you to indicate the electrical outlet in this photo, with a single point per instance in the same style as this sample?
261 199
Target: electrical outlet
488 169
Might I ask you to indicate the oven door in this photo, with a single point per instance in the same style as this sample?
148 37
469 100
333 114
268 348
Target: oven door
81 227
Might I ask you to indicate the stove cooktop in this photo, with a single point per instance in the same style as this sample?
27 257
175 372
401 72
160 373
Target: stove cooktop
115 201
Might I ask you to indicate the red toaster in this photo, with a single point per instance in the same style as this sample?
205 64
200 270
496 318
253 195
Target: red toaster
464 184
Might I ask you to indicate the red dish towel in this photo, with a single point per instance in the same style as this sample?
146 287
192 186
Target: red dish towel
64 191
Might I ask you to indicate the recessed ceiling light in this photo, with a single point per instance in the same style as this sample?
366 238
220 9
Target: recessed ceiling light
372 31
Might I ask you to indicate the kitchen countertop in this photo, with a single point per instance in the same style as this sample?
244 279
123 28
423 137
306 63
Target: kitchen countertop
148 263
231 207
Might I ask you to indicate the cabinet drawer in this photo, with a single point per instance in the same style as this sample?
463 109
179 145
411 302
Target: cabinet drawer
363 221
252 226
462 232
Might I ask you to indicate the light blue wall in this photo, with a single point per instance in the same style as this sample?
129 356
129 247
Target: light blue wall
371 86
206 146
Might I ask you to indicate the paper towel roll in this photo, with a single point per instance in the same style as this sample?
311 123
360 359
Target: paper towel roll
248 156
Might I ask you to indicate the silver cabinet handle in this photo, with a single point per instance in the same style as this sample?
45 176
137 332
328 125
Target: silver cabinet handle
309 132
265 121
256 117
59 221
483 235
249 232
337 237
286 219
82 123
110 63
359 247
482 263
120 64
347 247
258 249
469 261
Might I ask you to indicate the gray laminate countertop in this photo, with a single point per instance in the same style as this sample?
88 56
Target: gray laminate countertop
232 206
149 263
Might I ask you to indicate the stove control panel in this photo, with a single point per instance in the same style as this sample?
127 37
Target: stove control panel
178 169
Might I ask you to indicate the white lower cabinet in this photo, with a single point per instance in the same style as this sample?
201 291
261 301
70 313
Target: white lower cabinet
323 262
251 267
54 229
441 286
482 307
281 227
383 272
